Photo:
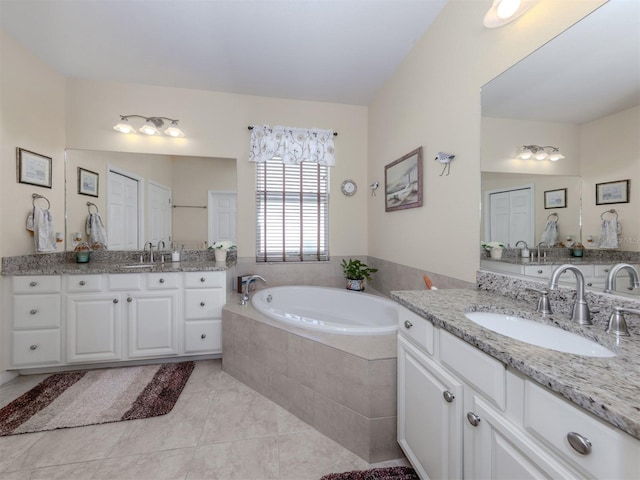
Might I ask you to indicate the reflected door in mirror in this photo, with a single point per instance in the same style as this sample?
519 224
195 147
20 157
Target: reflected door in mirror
122 211
511 216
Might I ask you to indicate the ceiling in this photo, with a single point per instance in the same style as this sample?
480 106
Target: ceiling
590 71
325 50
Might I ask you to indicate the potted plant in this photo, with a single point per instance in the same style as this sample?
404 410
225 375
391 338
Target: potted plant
356 272
220 249
494 249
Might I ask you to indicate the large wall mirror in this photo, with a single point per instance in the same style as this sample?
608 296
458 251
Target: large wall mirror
580 92
181 200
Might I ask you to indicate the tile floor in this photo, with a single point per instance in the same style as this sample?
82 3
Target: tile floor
219 429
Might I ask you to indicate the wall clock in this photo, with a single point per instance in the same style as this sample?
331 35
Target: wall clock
349 187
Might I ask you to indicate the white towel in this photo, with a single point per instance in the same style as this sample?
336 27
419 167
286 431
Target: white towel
609 234
95 229
40 222
550 233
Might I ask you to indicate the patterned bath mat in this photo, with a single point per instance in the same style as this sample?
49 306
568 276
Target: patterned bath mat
89 397
386 473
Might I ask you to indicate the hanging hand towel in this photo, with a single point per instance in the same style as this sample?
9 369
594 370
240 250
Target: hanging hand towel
609 234
40 222
95 229
550 233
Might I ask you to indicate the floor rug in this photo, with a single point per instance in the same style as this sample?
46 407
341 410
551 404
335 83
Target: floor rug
386 473
90 397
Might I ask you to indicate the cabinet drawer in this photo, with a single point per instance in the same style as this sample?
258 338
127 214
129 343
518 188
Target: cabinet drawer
204 279
124 281
416 328
36 284
601 270
203 303
484 373
36 347
203 336
84 283
540 271
614 454
163 281
36 311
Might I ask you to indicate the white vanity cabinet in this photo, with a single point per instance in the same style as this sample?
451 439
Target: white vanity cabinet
204 297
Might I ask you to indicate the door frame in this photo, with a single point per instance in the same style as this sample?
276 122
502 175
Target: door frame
140 180
487 206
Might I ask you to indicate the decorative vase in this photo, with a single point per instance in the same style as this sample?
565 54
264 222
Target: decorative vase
82 257
357 285
577 252
496 253
221 255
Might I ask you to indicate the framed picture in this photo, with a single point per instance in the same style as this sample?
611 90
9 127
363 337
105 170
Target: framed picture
612 192
555 198
403 182
33 168
87 182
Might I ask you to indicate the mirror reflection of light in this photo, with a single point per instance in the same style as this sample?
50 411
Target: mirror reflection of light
507 8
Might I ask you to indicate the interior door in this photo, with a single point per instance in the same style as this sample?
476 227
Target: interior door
123 224
222 216
159 214
511 216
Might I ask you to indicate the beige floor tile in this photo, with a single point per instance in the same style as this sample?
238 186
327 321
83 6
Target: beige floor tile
253 459
13 446
203 376
71 471
165 465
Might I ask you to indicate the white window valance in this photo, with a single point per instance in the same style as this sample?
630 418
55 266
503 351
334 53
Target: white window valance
293 145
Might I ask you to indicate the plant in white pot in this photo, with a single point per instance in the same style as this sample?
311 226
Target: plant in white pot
220 249
494 249
355 271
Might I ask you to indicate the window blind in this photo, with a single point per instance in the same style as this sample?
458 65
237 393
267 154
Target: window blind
292 205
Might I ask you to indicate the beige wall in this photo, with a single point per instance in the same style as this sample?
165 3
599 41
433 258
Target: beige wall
433 100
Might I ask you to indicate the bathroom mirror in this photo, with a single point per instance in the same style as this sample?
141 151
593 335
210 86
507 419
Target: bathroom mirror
579 92
184 200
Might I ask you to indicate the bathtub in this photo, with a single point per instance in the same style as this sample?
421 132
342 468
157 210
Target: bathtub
330 310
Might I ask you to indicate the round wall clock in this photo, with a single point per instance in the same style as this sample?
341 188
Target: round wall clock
349 187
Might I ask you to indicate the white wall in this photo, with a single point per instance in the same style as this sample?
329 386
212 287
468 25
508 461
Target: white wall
433 100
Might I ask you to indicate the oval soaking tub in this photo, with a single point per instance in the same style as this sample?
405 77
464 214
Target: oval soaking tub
331 310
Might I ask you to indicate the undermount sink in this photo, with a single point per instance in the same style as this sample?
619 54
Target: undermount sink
539 334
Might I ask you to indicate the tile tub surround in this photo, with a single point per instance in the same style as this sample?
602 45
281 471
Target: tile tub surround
342 385
608 388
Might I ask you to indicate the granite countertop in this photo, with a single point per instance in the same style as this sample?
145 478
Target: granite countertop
609 388
554 261
97 267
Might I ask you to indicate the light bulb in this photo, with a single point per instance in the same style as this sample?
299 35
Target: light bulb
541 155
123 126
149 129
555 156
173 130
524 154
507 8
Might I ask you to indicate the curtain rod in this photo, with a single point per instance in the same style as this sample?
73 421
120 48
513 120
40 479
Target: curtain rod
250 127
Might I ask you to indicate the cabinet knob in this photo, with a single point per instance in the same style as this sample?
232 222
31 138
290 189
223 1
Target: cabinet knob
115 300
589 284
539 271
33 284
161 280
579 443
33 347
203 336
82 283
202 279
202 304
606 270
408 324
448 396
33 312
473 419
129 299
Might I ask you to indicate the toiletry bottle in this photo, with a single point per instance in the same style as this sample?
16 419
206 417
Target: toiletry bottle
525 252
175 255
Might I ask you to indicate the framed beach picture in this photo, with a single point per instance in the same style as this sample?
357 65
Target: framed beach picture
555 198
403 182
33 168
87 182
612 192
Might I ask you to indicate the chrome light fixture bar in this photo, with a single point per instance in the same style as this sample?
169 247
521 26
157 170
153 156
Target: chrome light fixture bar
528 152
151 126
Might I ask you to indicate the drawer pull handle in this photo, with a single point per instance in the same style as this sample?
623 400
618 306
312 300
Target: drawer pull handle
129 299
580 444
115 300
33 312
33 347
202 279
448 396
473 419
161 280
203 336
33 284
202 304
408 324
82 283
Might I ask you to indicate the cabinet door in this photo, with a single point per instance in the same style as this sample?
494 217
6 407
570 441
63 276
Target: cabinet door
429 414
152 324
93 328
497 450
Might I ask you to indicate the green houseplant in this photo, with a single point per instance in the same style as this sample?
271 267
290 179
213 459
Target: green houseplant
355 271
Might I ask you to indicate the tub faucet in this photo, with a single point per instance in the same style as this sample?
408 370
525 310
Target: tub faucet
580 312
244 298
610 282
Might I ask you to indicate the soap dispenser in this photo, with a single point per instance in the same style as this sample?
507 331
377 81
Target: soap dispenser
524 252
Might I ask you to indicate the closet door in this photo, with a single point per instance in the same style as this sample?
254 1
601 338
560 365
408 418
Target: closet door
511 216
123 223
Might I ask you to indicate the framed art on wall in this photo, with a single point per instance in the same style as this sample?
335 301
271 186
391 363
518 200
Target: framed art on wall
612 192
33 168
403 182
555 198
87 182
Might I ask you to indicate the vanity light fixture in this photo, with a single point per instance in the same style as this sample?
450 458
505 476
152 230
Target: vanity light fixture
527 152
151 126
505 11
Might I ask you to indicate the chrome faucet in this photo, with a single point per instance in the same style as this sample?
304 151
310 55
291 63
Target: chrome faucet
610 282
150 251
244 298
617 324
539 245
580 312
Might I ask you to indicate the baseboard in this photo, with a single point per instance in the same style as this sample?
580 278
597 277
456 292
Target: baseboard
7 377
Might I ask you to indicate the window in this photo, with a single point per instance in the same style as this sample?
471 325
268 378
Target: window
292 205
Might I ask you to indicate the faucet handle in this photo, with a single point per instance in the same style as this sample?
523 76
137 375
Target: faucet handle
617 324
544 305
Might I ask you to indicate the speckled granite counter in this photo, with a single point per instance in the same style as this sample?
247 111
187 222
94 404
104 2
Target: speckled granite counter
106 267
607 387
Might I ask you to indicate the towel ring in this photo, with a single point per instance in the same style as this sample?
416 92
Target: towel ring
609 211
553 215
36 196
89 205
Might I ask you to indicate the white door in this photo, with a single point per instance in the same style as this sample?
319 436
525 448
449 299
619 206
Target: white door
222 216
123 224
159 214
511 216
